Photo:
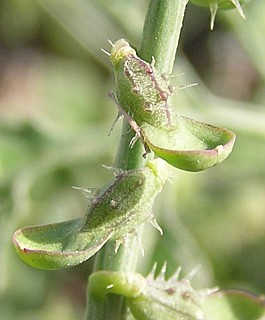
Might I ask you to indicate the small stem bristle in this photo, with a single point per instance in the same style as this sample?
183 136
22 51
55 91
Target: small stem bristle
239 8
213 10
106 52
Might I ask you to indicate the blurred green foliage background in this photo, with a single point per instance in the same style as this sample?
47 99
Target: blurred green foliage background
54 124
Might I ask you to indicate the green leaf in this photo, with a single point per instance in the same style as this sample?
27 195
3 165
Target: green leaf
115 210
189 145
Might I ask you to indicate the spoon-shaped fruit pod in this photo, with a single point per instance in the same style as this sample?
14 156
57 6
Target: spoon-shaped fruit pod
189 145
142 98
114 211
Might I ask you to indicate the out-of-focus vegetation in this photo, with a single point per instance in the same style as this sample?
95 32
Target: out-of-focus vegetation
54 123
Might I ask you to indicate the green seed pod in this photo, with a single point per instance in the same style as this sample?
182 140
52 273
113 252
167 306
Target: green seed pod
141 91
155 298
151 298
129 198
115 210
169 299
184 143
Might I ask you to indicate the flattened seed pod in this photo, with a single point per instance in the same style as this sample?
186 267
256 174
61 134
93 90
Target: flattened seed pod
116 210
184 143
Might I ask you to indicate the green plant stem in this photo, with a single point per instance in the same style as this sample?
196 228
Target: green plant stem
160 39
161 33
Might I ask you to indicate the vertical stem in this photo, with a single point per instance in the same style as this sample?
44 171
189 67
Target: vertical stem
161 32
160 39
